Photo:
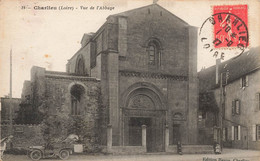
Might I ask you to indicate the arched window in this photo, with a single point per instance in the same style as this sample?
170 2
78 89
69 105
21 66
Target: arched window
76 92
80 66
154 53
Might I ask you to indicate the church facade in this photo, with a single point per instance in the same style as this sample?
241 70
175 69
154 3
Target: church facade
146 62
134 82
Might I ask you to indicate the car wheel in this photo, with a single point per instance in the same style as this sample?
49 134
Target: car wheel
36 155
64 154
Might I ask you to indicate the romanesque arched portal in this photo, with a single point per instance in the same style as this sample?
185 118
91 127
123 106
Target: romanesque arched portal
143 106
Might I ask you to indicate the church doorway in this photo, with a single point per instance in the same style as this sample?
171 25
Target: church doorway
144 108
135 129
154 133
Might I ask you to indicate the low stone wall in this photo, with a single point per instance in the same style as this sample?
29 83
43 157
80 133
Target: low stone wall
125 150
23 135
192 149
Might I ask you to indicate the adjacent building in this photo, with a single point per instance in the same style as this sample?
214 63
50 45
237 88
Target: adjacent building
240 100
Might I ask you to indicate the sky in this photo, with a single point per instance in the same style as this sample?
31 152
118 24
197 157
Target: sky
48 38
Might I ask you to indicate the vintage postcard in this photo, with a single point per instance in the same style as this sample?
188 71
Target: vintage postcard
130 80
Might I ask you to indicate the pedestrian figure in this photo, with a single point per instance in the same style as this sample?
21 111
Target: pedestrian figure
179 148
4 141
217 148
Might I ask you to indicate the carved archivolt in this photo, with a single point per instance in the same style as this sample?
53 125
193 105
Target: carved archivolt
145 95
141 101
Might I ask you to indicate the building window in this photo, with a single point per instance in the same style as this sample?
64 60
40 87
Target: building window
76 92
154 53
244 82
257 100
258 132
151 55
236 107
236 134
74 106
80 66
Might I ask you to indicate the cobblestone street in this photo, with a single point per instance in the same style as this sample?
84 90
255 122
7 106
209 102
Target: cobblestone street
228 155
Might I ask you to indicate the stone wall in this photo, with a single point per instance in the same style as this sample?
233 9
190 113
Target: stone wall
24 135
148 23
52 96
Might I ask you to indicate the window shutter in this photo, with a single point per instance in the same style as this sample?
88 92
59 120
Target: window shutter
247 81
241 82
254 133
238 133
232 133
227 134
233 107
257 105
224 134
239 107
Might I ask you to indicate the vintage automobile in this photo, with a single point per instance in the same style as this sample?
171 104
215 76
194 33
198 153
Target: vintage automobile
61 149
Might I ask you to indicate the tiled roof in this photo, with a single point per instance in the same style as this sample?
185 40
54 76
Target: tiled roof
238 66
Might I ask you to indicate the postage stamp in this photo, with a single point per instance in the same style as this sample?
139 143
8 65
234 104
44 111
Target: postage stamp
230 30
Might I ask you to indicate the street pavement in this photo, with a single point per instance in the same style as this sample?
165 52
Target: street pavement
227 155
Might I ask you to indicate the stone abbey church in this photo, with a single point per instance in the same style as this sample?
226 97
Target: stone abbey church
143 65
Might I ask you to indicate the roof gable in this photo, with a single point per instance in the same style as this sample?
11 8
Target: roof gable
129 12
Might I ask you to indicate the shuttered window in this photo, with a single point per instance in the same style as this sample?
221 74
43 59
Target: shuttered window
244 81
258 132
257 102
232 133
253 132
236 107
238 133
235 132
233 107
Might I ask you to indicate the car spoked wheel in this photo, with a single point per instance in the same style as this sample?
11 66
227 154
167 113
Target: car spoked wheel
64 154
36 155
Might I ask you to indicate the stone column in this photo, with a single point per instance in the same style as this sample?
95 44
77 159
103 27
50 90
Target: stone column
166 138
109 136
144 135
113 89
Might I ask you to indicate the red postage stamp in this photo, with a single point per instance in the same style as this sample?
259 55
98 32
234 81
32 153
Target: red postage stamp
229 24
230 29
